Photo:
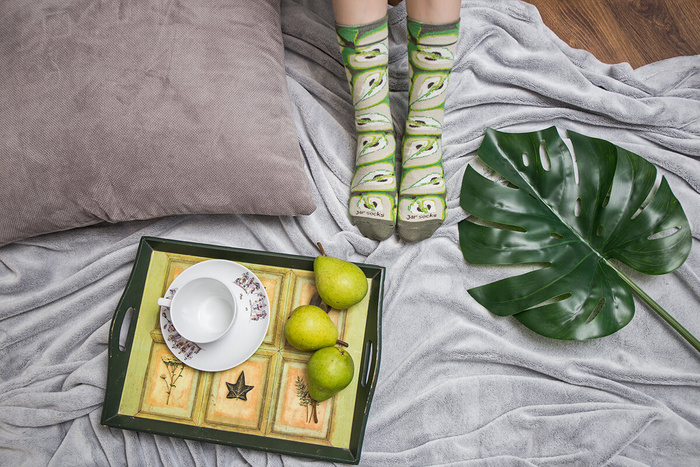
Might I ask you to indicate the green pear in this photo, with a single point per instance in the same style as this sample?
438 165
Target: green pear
329 370
339 283
310 328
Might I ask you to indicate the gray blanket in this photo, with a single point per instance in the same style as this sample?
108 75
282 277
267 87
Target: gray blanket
457 385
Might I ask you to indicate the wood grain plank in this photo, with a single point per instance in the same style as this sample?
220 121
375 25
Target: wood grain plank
637 32
634 31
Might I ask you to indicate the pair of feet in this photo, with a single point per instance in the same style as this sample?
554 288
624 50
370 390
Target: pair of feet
416 205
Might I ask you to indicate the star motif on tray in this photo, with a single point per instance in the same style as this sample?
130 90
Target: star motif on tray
239 389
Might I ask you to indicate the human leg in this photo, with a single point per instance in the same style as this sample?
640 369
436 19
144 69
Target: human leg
361 27
433 11
354 12
432 41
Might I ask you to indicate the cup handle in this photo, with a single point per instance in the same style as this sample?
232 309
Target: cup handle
164 302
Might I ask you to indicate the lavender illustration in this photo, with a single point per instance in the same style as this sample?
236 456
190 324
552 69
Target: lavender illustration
251 286
247 282
185 347
258 308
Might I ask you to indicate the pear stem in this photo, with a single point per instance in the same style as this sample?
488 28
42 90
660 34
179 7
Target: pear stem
343 343
313 411
320 247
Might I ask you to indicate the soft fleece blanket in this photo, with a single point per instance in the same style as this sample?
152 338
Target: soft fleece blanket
457 385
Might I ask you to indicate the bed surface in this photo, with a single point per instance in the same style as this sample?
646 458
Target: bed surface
457 385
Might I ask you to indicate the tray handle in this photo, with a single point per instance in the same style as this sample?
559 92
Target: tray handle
118 333
368 371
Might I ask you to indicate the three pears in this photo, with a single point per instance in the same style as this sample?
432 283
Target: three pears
339 283
330 369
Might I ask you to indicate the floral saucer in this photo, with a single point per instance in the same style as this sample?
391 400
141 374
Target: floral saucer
249 327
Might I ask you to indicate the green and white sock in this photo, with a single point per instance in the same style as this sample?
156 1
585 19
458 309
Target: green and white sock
365 53
421 207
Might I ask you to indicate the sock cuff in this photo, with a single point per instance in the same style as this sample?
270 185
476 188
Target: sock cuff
432 34
363 34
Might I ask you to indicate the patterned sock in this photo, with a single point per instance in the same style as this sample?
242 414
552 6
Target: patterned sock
421 207
365 53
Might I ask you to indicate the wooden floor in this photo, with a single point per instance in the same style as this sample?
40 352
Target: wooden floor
634 31
637 32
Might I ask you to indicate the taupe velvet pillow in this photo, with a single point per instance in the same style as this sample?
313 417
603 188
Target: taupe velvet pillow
124 110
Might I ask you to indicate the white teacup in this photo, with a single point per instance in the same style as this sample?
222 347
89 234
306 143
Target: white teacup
202 310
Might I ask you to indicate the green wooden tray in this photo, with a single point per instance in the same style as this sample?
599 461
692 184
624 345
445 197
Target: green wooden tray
149 390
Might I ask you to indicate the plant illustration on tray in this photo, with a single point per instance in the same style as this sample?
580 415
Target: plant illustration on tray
303 396
574 214
175 368
239 389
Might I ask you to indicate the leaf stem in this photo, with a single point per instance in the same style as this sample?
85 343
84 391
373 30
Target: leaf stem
659 310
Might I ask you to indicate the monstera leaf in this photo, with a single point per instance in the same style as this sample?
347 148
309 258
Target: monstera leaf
573 215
